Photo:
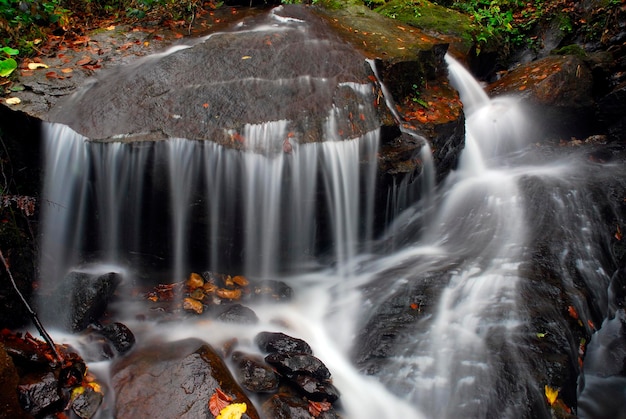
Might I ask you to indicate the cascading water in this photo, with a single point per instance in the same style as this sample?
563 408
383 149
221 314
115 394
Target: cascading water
464 357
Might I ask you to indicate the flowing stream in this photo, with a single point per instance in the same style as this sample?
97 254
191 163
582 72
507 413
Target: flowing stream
475 230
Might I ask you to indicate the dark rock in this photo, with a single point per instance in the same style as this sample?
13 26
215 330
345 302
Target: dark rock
315 389
254 374
9 403
612 112
272 290
399 315
237 313
560 90
120 336
86 403
279 342
82 298
173 380
293 364
39 393
287 406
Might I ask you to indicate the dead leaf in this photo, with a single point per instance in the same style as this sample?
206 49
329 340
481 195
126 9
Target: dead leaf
83 61
233 411
66 70
218 401
551 394
572 312
34 66
13 101
246 57
110 28
316 408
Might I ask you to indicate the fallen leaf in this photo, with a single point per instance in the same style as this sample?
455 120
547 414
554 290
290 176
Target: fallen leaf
13 101
541 335
34 66
551 394
110 28
218 401
233 411
83 61
316 408
66 70
572 312
246 57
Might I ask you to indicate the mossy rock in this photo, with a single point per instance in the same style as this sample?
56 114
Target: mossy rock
432 18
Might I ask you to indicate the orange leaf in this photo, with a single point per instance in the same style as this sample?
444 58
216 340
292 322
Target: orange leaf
572 312
316 408
83 61
218 401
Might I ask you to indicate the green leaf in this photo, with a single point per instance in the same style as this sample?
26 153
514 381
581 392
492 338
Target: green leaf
7 67
10 51
541 335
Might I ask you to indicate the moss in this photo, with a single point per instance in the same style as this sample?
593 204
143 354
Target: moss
573 49
431 17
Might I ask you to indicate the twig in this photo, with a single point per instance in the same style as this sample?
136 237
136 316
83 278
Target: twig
33 315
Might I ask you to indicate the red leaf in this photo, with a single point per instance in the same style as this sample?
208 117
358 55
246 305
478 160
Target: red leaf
572 312
218 401
316 408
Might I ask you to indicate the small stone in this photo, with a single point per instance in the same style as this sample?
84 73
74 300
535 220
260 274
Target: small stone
254 374
120 336
86 403
279 342
236 313
291 365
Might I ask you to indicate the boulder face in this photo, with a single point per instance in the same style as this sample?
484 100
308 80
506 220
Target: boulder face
560 90
174 380
283 65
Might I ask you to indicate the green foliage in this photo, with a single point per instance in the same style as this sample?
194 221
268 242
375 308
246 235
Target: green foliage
7 63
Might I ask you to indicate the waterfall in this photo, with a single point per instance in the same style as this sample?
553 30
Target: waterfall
304 212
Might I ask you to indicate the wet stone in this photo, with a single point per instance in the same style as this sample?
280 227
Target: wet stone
86 297
86 404
315 389
237 313
38 393
281 343
293 364
254 374
273 290
286 406
120 336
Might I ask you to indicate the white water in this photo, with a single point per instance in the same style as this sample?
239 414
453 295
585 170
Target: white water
475 231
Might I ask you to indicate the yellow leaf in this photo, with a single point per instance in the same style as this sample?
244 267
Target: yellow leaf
34 66
233 411
246 57
551 394
13 101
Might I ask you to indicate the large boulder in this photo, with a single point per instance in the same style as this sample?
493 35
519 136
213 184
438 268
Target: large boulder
173 380
560 90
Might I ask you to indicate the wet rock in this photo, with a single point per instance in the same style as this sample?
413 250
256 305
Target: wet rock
612 111
272 290
254 374
120 336
560 89
82 299
286 406
400 314
316 389
281 343
9 403
173 380
39 393
237 313
86 403
292 364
